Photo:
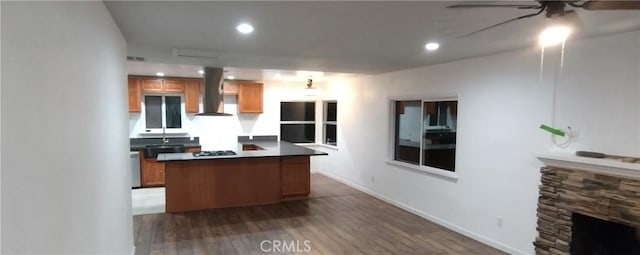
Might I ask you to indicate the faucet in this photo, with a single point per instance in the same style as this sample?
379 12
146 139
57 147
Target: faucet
164 135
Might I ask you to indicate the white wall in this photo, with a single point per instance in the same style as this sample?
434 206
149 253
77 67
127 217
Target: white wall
503 100
65 173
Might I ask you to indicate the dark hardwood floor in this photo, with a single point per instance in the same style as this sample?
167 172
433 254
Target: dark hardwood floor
337 219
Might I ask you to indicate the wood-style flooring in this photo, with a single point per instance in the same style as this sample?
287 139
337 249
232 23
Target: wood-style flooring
337 219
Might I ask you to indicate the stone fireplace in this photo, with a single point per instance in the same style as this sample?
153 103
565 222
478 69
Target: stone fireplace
585 204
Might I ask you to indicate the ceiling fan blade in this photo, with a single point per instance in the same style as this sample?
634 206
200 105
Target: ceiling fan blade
517 6
502 23
611 5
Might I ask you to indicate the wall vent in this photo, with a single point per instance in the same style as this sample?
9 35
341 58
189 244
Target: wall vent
134 58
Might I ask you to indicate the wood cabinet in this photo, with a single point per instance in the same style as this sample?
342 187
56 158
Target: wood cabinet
161 85
250 97
230 88
296 177
173 85
193 149
151 85
134 95
192 92
151 171
250 94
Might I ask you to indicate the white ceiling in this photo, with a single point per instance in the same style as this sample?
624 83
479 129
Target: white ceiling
346 37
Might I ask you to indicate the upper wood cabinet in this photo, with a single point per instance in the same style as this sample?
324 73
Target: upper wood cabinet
230 88
192 92
173 85
134 95
151 85
162 85
250 97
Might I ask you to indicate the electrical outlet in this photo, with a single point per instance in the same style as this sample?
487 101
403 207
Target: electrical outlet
499 222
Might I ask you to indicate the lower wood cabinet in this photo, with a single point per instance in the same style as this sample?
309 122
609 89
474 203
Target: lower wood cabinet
295 174
152 172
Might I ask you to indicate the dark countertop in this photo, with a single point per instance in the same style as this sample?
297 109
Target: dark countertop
136 144
270 149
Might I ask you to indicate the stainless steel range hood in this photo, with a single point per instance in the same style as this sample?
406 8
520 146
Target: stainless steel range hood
213 100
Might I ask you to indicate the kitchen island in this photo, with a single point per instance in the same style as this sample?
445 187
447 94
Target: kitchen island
260 172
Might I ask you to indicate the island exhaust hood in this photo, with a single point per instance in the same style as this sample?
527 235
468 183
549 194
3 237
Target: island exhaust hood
213 99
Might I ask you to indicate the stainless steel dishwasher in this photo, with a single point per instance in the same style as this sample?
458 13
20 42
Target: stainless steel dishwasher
135 169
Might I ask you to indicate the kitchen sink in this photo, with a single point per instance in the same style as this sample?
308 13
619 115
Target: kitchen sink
152 151
251 147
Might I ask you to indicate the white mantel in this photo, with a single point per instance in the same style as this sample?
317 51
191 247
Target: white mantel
597 165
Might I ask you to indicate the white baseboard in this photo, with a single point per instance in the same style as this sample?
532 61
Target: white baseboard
133 250
429 217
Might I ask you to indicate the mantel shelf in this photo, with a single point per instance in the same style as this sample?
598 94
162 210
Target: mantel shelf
597 165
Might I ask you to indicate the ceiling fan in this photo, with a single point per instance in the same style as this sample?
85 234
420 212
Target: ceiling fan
553 9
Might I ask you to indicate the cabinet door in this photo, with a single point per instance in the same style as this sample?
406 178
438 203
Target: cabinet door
134 95
151 85
295 174
152 172
230 88
193 149
192 94
249 97
173 85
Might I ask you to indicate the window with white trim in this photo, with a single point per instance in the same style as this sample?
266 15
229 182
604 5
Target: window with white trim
163 111
425 133
330 123
298 122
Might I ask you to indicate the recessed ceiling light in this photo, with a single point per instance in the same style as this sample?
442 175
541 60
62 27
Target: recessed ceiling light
201 71
432 46
554 35
245 28
230 77
159 74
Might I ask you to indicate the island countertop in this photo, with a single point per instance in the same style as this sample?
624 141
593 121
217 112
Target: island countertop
267 149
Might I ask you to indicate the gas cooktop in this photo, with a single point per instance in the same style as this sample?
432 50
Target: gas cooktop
213 153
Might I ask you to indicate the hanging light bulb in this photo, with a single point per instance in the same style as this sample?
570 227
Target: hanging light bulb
554 35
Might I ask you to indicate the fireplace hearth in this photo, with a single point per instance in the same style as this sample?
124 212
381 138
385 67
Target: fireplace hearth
581 212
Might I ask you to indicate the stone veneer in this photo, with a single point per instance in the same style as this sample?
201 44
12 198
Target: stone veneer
565 191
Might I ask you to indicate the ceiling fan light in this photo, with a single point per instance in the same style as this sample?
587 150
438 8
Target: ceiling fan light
554 35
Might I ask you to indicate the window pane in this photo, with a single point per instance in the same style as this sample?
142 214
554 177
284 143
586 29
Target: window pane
153 111
332 111
298 111
440 128
330 134
408 134
173 112
298 133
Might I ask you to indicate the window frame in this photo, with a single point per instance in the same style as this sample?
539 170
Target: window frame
391 142
314 122
154 131
325 106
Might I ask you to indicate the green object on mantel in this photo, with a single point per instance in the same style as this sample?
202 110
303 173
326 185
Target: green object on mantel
551 130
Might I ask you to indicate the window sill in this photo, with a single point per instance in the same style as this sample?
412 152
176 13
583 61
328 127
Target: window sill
425 169
321 145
